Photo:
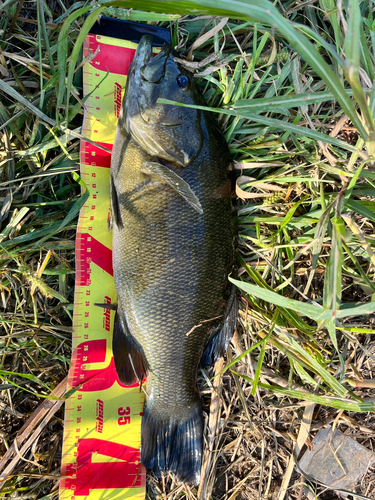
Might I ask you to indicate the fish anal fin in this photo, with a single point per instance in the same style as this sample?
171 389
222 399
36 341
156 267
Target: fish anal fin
173 180
130 361
220 338
173 444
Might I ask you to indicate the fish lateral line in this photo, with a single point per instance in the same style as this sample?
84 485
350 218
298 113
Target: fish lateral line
173 180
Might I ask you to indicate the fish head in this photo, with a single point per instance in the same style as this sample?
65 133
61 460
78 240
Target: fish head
171 132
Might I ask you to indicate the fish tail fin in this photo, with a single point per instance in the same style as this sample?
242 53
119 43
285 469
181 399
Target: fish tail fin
219 341
174 445
130 361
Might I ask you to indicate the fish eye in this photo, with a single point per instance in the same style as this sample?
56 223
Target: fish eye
182 81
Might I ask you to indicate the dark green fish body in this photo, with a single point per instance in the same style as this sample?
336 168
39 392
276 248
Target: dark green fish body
172 253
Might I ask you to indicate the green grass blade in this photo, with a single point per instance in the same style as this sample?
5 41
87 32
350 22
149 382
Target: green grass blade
261 358
340 404
241 356
267 14
19 98
138 15
280 102
62 52
313 312
27 376
73 212
352 48
90 21
352 183
45 36
271 122
318 368
359 207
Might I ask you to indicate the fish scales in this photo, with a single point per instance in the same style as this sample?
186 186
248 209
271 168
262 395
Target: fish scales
170 260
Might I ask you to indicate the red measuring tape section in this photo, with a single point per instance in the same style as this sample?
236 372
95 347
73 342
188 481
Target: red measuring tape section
101 449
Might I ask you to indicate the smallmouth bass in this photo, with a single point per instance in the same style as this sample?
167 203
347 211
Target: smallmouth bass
172 252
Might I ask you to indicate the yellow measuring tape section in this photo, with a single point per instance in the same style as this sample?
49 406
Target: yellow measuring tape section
102 418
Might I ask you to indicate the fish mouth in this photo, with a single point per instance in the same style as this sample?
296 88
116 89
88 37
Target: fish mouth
142 56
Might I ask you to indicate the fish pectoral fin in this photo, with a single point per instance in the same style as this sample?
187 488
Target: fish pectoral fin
220 338
115 209
174 181
130 361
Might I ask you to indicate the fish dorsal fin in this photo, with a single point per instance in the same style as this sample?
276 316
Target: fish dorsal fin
174 181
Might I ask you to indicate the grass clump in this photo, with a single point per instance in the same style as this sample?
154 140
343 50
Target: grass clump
292 87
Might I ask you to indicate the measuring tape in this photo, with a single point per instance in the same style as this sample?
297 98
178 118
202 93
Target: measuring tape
102 433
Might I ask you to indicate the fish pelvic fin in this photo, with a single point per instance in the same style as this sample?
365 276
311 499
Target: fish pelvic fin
130 361
112 307
174 181
172 445
220 338
115 217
